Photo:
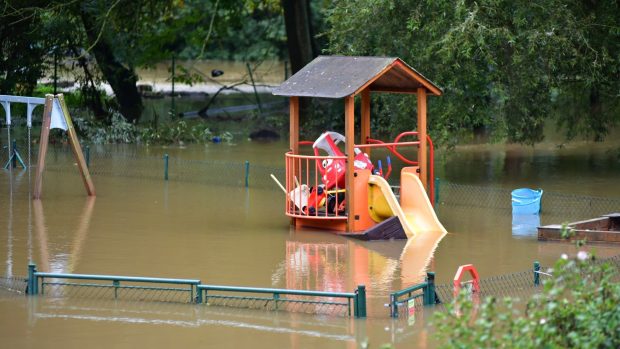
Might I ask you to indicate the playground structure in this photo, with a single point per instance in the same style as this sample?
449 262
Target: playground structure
342 191
55 115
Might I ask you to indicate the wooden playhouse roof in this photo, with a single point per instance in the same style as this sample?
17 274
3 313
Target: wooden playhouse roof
342 76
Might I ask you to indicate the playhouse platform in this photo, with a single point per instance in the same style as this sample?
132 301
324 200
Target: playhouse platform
389 229
606 229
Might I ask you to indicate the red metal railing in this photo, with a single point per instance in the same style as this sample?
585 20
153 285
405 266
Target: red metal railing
375 143
304 199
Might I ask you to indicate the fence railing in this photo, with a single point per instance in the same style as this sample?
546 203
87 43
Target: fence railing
291 300
410 296
193 291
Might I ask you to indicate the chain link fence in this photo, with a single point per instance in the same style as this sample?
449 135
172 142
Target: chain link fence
133 162
565 205
13 285
519 285
298 304
189 291
125 292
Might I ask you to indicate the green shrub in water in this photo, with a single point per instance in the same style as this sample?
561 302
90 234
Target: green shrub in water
579 307
121 131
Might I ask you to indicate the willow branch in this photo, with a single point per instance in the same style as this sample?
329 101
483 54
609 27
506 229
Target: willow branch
204 44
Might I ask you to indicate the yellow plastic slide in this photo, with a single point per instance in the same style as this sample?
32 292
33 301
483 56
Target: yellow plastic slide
415 211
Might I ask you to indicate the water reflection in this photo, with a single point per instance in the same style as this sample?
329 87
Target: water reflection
62 262
340 264
284 329
418 255
525 225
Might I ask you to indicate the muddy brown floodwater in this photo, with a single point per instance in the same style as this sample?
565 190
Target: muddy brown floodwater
227 235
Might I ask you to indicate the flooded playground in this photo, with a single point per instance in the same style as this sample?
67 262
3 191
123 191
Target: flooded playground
218 231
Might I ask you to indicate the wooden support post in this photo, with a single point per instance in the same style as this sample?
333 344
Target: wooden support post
294 125
349 135
365 122
43 142
73 141
293 144
76 148
422 157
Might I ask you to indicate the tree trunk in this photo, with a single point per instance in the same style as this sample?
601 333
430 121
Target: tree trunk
300 41
297 20
597 122
122 79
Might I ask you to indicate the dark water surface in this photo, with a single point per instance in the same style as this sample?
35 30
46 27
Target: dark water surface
228 235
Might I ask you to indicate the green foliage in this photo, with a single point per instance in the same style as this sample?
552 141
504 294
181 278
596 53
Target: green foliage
20 51
577 308
505 66
180 132
121 131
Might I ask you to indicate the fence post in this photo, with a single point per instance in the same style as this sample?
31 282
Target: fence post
247 173
116 284
393 306
198 294
87 155
429 290
360 304
165 167
33 283
436 191
14 155
536 273
276 297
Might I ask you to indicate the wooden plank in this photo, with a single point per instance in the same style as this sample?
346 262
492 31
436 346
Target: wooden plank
43 143
422 157
389 229
418 77
294 125
591 236
410 91
76 148
349 134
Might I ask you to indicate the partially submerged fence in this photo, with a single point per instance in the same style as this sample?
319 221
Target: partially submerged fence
569 205
522 284
193 291
518 285
414 296
123 161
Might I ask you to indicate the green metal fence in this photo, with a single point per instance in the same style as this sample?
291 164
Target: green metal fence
142 289
414 296
283 299
12 285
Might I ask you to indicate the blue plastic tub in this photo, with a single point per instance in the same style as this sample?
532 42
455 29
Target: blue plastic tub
526 201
